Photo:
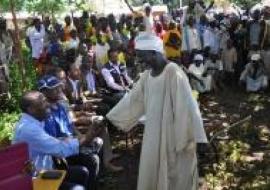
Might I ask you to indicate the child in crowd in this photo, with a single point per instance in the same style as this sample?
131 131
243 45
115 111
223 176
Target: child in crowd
89 74
229 59
101 48
215 68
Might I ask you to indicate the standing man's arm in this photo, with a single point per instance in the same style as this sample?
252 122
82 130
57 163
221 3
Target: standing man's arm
130 109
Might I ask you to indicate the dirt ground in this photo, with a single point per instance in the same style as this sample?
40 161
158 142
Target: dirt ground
241 159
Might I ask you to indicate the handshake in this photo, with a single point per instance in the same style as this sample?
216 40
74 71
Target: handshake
97 127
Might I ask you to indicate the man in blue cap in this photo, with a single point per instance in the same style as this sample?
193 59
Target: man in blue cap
59 124
43 147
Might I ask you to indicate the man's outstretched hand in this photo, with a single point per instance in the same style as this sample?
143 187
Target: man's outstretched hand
95 130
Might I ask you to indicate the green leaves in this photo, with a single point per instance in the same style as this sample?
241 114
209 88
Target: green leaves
15 84
9 109
7 124
5 5
45 6
36 6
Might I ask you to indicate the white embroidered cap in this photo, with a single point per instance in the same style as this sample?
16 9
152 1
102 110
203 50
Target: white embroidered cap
255 57
198 57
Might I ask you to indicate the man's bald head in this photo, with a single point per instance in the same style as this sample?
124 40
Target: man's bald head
29 99
34 103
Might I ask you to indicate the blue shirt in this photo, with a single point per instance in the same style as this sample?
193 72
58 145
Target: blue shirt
41 145
201 28
54 48
58 123
91 82
254 33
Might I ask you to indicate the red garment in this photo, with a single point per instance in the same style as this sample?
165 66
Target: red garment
131 45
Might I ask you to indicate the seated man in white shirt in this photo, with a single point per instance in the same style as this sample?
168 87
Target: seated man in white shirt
201 80
254 75
115 75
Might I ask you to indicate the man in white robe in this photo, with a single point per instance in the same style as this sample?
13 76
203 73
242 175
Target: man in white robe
36 35
191 37
202 80
173 123
254 76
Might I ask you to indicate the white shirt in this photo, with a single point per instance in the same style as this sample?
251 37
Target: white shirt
211 39
73 43
2 52
36 40
191 39
149 23
91 83
197 71
110 80
74 84
6 48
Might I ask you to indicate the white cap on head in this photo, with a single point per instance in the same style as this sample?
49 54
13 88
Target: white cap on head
145 5
148 41
198 57
255 57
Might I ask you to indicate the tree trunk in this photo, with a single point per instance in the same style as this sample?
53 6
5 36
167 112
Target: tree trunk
129 6
17 43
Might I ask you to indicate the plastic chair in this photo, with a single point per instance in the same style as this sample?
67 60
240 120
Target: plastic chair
14 165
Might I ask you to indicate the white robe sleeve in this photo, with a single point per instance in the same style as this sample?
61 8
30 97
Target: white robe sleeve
130 109
188 124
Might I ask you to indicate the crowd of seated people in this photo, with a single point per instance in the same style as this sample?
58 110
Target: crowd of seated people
77 96
73 112
78 92
85 67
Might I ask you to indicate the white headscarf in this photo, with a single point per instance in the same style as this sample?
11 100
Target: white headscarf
198 57
147 41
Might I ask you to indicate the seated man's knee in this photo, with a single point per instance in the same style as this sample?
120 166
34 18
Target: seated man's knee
78 175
